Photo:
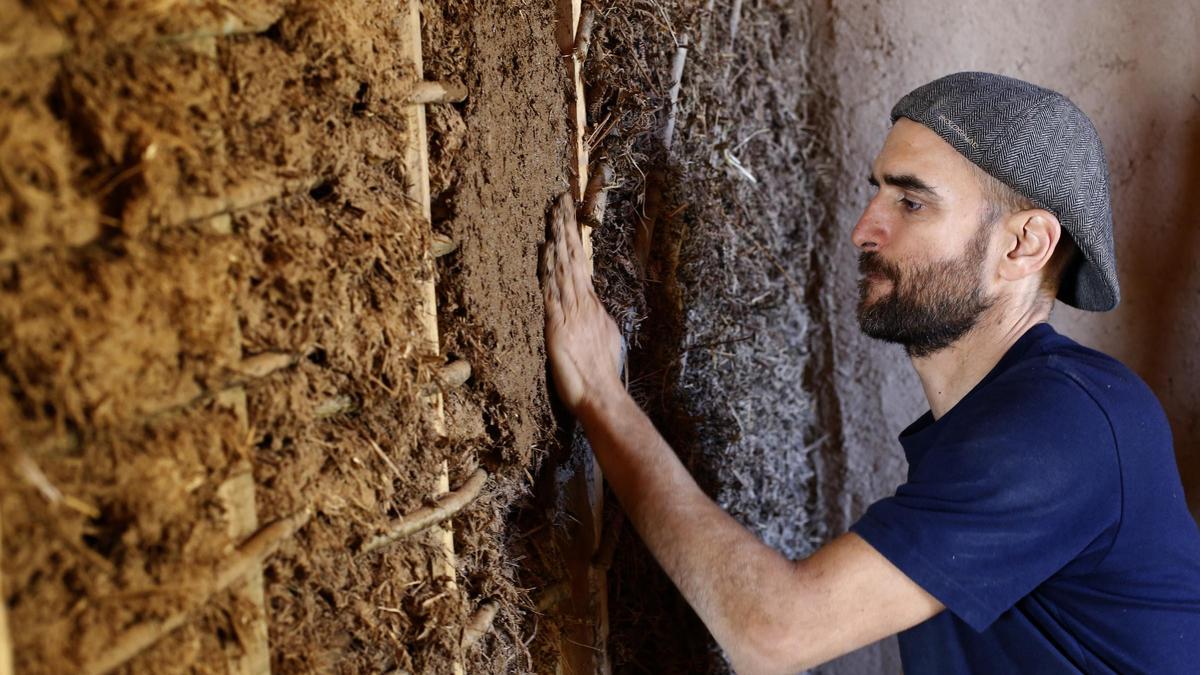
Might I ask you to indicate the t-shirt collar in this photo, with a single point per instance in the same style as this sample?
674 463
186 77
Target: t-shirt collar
1035 335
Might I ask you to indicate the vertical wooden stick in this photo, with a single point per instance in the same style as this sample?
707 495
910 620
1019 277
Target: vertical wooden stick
416 161
237 496
6 652
585 649
568 22
681 50
565 32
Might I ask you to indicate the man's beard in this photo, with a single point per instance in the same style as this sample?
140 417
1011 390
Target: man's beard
929 307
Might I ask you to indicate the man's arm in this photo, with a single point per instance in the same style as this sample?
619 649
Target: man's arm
770 614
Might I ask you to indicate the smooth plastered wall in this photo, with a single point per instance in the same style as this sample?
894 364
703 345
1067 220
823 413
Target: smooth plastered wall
1132 67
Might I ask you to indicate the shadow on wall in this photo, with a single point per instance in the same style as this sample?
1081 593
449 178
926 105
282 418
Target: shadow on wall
1163 321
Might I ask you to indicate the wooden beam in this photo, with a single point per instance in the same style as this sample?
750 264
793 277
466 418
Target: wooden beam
416 164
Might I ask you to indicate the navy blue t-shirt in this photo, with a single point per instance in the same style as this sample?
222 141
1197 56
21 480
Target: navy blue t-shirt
1045 511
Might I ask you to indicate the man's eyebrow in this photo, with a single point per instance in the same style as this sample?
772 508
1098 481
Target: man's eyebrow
906 181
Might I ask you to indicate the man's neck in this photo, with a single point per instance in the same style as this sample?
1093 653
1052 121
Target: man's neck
948 375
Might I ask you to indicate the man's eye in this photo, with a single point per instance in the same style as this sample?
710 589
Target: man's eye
910 205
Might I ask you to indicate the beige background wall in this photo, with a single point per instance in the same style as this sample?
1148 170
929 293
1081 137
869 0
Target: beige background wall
1135 69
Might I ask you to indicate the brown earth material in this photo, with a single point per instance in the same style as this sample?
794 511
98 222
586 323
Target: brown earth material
201 202
173 208
497 162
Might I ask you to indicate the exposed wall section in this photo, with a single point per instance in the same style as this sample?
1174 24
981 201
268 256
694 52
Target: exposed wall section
212 255
729 353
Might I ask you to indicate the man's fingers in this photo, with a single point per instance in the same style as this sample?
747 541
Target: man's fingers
562 221
550 291
580 270
561 264
574 244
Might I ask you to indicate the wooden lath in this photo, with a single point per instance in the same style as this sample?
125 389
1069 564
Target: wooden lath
237 497
6 652
416 165
584 649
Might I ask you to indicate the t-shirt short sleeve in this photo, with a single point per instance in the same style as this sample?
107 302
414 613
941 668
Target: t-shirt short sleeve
1010 489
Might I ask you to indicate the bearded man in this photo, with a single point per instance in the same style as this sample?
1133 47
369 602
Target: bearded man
1042 527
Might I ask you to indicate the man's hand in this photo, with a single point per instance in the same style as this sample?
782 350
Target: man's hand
582 340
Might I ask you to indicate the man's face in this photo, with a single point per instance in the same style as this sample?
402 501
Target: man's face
923 246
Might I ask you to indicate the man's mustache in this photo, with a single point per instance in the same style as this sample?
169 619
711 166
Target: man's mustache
869 262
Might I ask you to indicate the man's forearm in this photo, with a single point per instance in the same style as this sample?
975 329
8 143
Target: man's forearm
730 578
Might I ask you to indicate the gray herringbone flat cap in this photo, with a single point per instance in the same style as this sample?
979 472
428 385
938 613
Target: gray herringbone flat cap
1040 144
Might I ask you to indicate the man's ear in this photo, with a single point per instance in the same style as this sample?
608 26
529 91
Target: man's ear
1030 237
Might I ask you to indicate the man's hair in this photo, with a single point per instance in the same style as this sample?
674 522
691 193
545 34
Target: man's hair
999 201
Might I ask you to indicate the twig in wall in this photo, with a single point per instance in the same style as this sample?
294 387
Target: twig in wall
450 376
480 624
595 197
424 518
735 21
583 34
431 91
681 51
441 245
249 556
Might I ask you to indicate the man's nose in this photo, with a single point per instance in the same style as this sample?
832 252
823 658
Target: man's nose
871 231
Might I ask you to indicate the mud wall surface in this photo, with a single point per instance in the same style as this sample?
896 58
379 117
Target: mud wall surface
211 272
1131 68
